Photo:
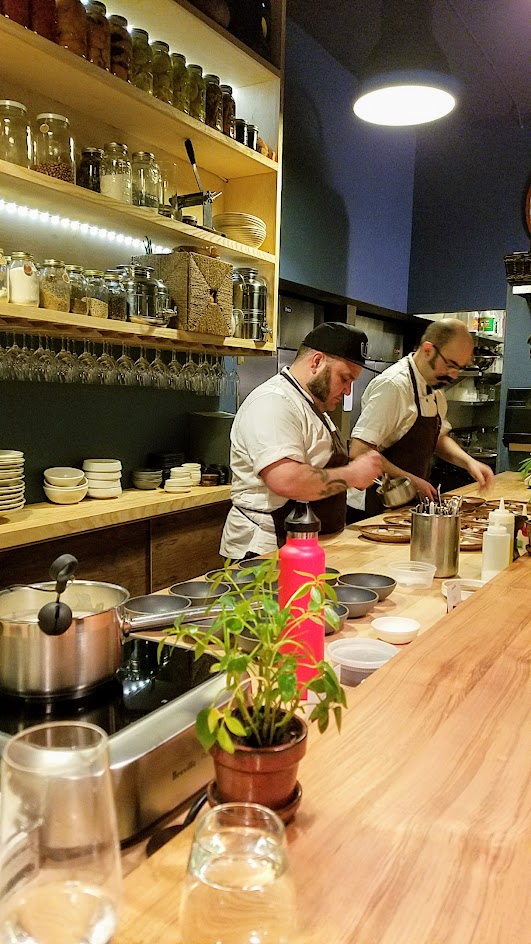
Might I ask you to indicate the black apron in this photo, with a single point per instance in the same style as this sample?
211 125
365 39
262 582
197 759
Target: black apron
413 452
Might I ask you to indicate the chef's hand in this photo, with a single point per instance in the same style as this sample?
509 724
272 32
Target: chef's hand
365 469
482 473
424 488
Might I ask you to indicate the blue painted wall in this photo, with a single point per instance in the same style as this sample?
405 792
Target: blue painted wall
516 366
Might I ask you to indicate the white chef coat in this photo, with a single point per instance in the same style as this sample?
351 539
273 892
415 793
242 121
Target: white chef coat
276 421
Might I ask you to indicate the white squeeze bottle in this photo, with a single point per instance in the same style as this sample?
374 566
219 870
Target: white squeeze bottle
495 556
500 516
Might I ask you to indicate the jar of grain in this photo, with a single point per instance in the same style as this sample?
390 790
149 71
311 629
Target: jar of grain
22 280
88 171
181 83
115 173
78 289
197 92
97 294
43 16
146 179
72 26
229 111
121 48
98 35
54 147
15 134
213 102
54 286
162 72
117 296
142 65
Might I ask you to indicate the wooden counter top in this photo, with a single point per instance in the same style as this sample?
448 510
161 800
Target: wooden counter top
415 822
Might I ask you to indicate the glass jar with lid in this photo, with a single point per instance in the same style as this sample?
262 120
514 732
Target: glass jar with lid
44 18
88 171
240 130
229 111
98 35
142 64
15 134
3 276
54 286
54 147
197 91
213 102
78 289
252 137
141 292
97 294
115 172
146 179
180 82
117 297
22 280
162 72
72 26
18 11
121 48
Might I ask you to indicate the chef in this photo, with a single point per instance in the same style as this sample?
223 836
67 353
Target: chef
285 447
403 414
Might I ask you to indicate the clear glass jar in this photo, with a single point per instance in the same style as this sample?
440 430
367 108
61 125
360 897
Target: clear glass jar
98 35
141 292
22 280
44 18
88 171
213 102
15 134
18 11
54 147
54 286
229 111
146 180
78 289
115 173
181 83
142 65
117 297
121 48
3 276
162 72
197 92
72 26
97 294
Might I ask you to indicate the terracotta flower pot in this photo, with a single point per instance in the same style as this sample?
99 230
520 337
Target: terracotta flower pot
266 775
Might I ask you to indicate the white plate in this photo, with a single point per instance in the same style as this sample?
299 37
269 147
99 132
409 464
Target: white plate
11 454
5 508
11 490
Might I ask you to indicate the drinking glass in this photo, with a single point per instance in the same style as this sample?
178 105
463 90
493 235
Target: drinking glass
126 368
60 871
238 887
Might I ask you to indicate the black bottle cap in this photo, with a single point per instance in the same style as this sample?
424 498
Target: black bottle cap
302 520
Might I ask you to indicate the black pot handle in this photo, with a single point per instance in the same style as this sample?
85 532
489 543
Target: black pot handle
55 618
62 570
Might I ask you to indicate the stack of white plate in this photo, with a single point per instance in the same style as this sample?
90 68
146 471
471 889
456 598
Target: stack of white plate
242 227
11 480
182 477
64 485
147 479
104 477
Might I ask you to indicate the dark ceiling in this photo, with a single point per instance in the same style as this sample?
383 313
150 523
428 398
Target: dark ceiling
487 44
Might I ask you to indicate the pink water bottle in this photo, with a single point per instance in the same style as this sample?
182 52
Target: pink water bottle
301 559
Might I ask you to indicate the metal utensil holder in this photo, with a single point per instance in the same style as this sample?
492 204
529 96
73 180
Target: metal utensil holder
435 540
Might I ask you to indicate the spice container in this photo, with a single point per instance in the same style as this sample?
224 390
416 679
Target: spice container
213 102
116 295
18 11
15 134
3 275
98 35
180 82
197 92
121 48
54 286
88 172
115 173
145 180
252 137
43 17
97 294
78 289
54 148
229 111
22 280
240 130
72 26
142 62
162 72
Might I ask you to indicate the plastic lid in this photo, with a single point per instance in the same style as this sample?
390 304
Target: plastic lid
361 653
302 520
11 104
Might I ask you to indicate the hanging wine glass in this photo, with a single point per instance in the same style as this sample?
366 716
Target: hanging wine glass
126 368
159 372
188 373
174 371
143 369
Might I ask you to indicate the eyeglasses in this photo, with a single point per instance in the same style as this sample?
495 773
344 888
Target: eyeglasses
450 365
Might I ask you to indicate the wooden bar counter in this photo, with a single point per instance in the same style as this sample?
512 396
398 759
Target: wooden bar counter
415 822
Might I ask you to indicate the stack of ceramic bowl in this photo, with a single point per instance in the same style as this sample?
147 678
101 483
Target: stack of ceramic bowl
180 480
64 485
147 478
242 227
104 477
11 480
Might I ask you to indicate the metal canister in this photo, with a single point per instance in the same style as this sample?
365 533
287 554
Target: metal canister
253 305
140 291
435 540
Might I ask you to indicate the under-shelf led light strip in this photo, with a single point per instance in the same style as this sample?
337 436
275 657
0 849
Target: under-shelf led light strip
75 226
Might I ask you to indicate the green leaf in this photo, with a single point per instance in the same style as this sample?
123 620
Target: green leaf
224 741
235 726
205 737
213 719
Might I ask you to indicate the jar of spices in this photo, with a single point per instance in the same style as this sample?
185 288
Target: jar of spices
98 35
180 82
229 111
240 130
72 26
117 297
43 16
142 65
22 280
18 11
54 286
162 72
115 173
197 92
3 276
213 102
78 289
54 147
15 134
121 48
88 171
97 294
252 137
146 180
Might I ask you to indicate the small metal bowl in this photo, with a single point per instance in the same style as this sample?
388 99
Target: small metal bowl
358 600
157 603
381 584
199 592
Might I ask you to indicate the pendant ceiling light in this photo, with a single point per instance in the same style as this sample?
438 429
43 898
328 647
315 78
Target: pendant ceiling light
406 79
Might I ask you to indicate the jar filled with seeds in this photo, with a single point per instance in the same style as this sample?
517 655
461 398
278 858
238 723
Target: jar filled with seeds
117 296
22 280
115 173
98 35
54 147
162 72
197 92
229 111
121 48
146 179
15 134
97 294
213 102
142 66
88 171
181 83
78 289
72 26
44 18
54 286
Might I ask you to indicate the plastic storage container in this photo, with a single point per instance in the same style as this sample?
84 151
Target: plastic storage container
121 48
15 134
359 658
54 147
162 72
142 64
115 172
98 35
54 286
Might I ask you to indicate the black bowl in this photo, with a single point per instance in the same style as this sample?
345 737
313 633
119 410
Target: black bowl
341 610
157 603
381 584
358 600
199 592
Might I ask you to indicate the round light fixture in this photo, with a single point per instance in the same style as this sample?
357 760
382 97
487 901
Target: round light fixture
405 99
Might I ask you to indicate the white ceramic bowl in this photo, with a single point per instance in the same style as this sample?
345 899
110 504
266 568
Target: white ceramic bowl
395 629
412 573
467 587
101 476
102 465
359 657
108 491
64 476
66 496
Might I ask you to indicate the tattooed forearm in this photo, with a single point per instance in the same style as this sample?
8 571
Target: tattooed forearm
328 486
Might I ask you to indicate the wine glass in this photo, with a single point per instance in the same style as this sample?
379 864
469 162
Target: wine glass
143 369
238 887
126 368
186 380
174 371
60 874
159 372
